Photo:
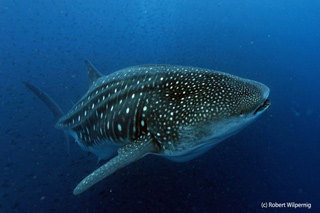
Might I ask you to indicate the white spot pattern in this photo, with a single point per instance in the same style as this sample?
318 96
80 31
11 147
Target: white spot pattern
158 99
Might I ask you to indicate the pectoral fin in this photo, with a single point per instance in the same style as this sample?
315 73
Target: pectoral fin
126 154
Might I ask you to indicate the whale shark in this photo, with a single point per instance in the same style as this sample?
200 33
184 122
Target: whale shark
176 112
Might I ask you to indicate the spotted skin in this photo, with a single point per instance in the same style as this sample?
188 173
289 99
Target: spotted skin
177 112
161 99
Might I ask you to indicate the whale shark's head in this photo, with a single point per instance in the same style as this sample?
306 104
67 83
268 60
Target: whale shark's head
248 98
247 101
214 106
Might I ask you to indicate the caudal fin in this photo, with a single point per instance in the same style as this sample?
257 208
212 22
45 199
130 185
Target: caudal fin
51 104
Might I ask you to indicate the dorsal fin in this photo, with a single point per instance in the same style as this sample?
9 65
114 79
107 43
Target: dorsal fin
93 73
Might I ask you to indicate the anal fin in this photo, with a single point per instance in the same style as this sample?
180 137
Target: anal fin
127 154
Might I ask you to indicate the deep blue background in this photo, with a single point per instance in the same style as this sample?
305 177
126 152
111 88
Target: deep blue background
275 159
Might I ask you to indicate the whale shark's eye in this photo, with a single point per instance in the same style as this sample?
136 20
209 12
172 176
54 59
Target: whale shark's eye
241 112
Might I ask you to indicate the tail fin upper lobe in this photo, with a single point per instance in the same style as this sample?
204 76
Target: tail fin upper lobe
51 104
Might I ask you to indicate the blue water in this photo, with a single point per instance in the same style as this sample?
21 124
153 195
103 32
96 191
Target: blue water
276 159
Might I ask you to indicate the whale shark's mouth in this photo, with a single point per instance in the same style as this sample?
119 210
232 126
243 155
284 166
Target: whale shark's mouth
265 105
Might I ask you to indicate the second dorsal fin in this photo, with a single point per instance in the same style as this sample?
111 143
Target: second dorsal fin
93 73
